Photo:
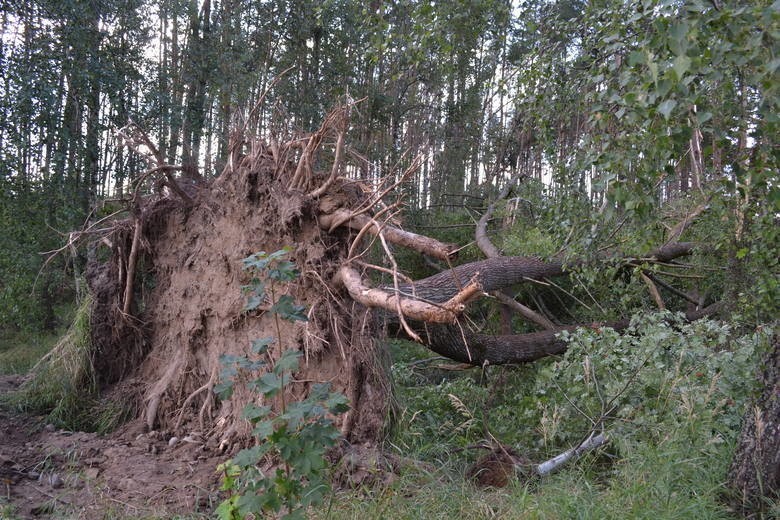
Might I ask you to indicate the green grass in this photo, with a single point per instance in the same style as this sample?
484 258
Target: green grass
19 351
61 384
656 485
7 511
671 444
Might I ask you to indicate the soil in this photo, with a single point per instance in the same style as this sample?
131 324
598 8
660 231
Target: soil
51 473
188 309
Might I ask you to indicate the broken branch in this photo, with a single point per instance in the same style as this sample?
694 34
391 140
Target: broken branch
414 309
420 243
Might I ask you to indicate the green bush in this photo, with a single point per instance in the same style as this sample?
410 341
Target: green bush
660 379
293 435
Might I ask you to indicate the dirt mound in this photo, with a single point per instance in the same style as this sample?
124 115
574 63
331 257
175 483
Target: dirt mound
184 262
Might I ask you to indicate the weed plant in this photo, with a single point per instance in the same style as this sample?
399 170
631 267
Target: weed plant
670 395
292 435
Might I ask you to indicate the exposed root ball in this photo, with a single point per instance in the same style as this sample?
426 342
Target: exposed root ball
188 305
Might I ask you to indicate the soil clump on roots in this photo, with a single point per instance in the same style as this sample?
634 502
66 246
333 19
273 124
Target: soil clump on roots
188 305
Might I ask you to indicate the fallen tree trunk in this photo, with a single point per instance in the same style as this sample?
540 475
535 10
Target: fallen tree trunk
505 271
492 274
461 344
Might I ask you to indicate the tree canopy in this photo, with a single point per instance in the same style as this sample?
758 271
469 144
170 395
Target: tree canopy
616 109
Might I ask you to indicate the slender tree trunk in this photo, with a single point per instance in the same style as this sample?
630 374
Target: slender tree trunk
194 114
755 468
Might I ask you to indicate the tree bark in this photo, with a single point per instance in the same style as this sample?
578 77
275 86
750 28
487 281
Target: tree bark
461 344
505 271
755 469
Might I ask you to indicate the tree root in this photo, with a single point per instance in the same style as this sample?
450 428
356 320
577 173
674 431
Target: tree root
207 403
446 312
132 260
157 391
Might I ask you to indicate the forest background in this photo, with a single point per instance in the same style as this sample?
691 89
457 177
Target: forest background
610 119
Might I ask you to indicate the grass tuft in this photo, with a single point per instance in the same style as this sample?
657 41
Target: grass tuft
62 383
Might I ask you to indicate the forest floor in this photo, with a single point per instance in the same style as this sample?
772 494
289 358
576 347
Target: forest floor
50 473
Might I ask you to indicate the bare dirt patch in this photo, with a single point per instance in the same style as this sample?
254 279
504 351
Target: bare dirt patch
50 473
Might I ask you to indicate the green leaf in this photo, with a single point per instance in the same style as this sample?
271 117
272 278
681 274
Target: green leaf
703 117
260 346
281 253
257 261
288 310
681 65
268 384
253 302
678 41
249 457
283 272
637 58
227 509
229 473
263 429
653 66
251 503
288 361
774 198
224 390
252 412
665 108
337 403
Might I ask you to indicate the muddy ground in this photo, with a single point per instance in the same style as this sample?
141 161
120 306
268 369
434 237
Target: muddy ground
51 473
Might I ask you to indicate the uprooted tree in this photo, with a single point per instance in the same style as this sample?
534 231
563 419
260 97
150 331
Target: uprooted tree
168 299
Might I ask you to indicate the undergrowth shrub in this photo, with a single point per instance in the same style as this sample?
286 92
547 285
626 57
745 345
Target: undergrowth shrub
671 395
285 472
660 379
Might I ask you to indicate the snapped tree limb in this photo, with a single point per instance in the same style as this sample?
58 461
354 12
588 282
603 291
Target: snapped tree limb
412 308
504 463
420 243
